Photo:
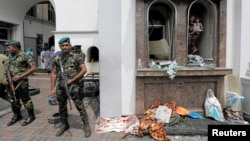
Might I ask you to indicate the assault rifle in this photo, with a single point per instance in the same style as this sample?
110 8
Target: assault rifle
9 79
63 81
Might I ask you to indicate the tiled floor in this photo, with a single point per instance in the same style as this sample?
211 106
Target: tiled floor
42 130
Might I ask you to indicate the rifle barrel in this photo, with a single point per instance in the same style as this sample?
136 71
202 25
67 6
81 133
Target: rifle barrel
9 79
63 82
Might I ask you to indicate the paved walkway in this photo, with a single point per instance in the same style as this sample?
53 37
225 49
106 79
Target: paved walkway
42 130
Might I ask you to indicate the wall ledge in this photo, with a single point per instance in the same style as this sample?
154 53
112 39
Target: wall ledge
245 80
185 72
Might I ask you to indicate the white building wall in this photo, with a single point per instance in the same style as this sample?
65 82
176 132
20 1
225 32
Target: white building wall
128 55
76 15
240 30
78 20
245 40
236 38
230 31
110 41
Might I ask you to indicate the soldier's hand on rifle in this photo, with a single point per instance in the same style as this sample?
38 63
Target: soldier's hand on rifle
5 82
16 77
70 81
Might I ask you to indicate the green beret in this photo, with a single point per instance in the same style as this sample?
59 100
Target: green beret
63 40
13 43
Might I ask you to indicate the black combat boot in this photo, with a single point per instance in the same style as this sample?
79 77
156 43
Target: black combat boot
16 117
63 128
87 129
30 118
85 120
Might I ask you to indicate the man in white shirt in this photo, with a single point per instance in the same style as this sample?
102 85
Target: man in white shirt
42 59
46 56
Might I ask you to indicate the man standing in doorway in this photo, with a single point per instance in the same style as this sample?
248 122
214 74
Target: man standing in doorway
46 58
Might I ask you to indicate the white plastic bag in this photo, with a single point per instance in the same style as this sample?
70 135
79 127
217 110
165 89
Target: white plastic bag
234 100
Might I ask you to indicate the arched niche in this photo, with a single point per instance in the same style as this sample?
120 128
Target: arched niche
205 43
161 22
93 54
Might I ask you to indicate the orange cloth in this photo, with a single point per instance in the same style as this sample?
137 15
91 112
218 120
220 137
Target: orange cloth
181 111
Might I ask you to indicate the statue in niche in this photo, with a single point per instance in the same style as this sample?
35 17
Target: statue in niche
195 28
198 26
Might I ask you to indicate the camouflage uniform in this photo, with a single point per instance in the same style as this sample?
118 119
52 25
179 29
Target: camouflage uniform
81 85
71 64
82 55
19 64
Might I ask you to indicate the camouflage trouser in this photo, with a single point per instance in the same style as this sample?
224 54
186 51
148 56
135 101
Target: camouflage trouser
3 92
81 89
22 94
62 102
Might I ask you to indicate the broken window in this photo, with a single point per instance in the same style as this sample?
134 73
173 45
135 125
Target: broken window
161 30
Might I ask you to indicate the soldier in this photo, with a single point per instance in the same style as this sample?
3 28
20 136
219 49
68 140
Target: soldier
75 69
20 66
77 49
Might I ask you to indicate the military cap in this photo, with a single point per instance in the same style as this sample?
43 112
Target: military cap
63 40
77 46
13 43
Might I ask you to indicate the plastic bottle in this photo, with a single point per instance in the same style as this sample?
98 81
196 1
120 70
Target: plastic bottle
139 64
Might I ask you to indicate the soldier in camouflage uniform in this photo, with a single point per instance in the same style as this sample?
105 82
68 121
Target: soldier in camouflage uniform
20 66
77 49
75 68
